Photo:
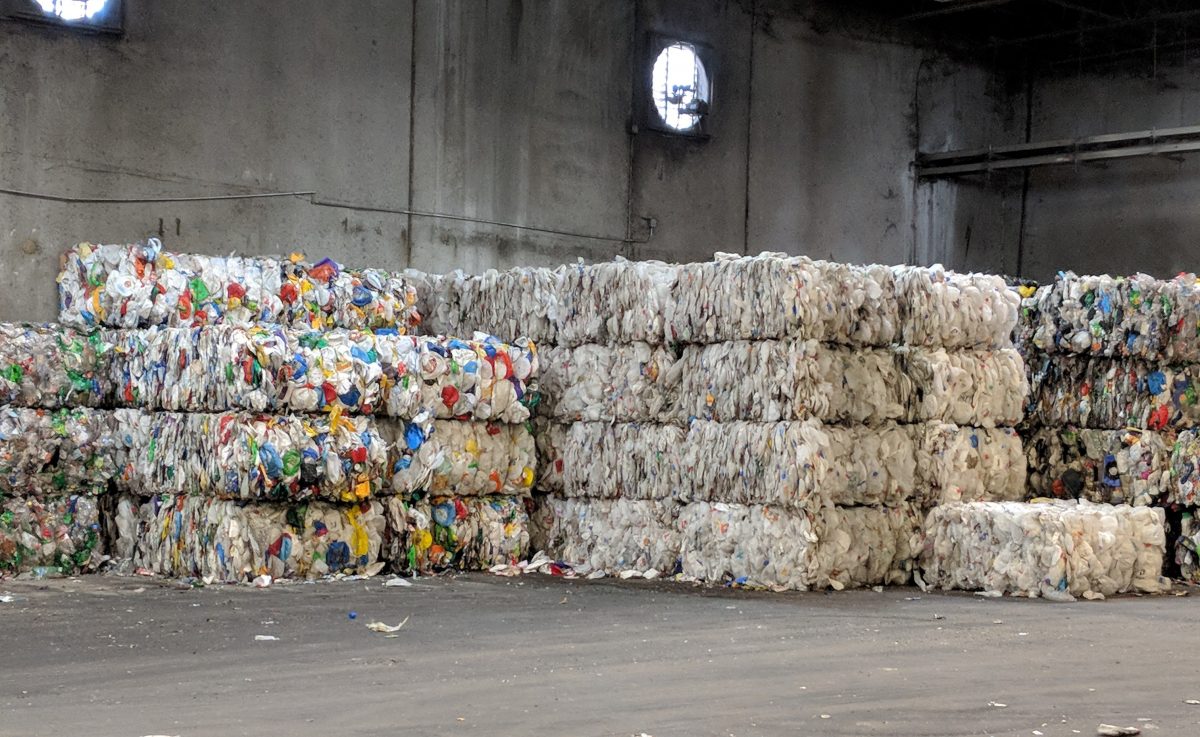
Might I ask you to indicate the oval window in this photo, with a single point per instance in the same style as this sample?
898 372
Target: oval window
72 9
680 87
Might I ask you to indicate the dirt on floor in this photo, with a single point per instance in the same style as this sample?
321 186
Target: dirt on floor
482 655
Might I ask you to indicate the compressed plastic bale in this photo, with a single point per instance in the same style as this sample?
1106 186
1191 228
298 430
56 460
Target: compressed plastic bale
1187 547
625 383
61 532
273 369
609 535
1183 487
1112 393
969 464
859 304
865 546
1057 550
979 388
56 452
53 366
851 385
461 458
226 541
754 545
1107 315
632 460
140 285
465 533
617 301
519 301
1107 466
944 309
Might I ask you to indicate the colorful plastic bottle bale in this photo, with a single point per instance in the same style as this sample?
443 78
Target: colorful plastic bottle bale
61 534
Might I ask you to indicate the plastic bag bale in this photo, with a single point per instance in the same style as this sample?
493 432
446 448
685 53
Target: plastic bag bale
62 532
632 460
609 535
865 546
51 366
980 388
1112 393
453 458
55 452
944 309
752 545
617 301
1058 550
732 297
1107 466
623 383
969 463
469 534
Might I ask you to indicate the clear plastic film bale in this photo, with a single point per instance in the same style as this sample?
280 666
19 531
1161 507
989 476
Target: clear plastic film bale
865 546
56 452
465 533
957 463
1057 550
1105 466
225 541
452 458
634 382
1112 393
609 535
52 366
944 309
984 388
63 532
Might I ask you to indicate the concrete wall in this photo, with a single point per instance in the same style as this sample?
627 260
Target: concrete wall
510 111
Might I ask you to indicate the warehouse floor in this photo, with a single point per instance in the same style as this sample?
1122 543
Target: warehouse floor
481 655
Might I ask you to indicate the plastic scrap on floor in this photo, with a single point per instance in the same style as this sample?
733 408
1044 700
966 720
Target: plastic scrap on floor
1057 550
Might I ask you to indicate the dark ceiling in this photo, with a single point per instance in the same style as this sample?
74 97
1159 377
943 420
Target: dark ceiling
1058 33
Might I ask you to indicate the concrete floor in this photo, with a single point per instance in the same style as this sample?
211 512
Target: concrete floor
491 656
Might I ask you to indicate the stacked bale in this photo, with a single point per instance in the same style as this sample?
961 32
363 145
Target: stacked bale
772 420
248 416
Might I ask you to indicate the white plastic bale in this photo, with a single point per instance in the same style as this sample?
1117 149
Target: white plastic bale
859 304
631 460
53 366
1112 393
773 547
272 369
464 533
984 388
551 439
131 286
969 464
521 301
60 531
609 535
56 452
634 382
1108 466
617 301
225 541
1057 550
944 309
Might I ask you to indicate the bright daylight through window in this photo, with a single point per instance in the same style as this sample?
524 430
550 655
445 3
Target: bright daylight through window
680 87
70 10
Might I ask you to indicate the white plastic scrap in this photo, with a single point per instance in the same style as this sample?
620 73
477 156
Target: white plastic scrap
969 464
949 310
1109 466
141 285
629 383
273 369
1054 549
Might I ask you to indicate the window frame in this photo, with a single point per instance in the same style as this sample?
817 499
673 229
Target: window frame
109 22
646 110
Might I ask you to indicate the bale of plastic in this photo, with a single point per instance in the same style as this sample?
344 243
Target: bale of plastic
956 464
773 547
53 366
616 301
633 382
518 301
984 388
140 285
56 452
460 458
224 541
1187 547
274 369
1104 466
62 533
1058 550
608 535
1183 486
631 460
550 439
1112 393
463 533
944 309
